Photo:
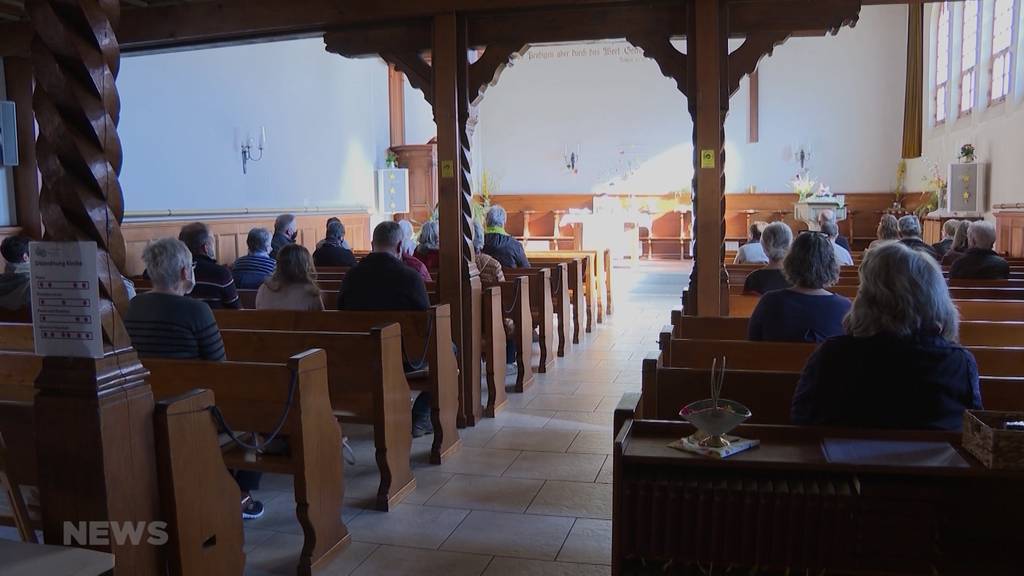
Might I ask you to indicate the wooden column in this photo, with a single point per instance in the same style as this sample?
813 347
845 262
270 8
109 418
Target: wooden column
707 50
460 282
95 443
396 105
18 72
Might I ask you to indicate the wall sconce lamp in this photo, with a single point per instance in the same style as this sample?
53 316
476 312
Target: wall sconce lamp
572 160
248 155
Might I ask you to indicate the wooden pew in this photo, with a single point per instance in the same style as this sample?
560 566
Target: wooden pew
493 341
515 303
578 296
542 313
787 506
366 385
791 357
17 337
17 428
768 394
198 496
426 335
259 398
990 310
559 299
972 333
601 274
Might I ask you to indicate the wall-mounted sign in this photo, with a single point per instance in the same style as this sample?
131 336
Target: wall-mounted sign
707 158
447 169
65 299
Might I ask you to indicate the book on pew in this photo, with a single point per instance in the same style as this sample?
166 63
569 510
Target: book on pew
892 453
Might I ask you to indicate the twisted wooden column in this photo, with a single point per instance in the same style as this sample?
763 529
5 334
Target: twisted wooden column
75 57
96 450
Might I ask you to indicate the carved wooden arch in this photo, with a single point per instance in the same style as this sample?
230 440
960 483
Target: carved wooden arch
671 61
416 69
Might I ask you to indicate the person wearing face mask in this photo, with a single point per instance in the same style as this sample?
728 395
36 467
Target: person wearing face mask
213 282
165 323
285 232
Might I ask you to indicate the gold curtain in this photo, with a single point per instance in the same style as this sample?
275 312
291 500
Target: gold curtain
913 115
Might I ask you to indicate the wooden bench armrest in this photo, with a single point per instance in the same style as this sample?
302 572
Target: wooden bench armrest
627 409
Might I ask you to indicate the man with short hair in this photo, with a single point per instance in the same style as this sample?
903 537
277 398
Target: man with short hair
843 256
499 245
980 262
251 270
910 235
285 233
830 216
332 251
943 246
214 284
381 281
15 291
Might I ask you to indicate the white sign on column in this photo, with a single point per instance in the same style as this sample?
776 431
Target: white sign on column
65 299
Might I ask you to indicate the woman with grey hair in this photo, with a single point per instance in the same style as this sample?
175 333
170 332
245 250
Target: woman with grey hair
752 252
806 312
775 241
499 244
898 364
887 233
490 268
429 249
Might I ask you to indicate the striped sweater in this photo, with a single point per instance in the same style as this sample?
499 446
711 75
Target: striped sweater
214 284
170 326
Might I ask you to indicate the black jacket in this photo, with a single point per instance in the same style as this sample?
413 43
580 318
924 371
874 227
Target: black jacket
328 255
505 249
382 282
280 240
921 246
942 248
980 264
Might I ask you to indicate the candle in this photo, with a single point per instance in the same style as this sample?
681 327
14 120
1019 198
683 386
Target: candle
263 137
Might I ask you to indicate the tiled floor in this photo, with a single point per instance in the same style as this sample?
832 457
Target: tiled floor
529 493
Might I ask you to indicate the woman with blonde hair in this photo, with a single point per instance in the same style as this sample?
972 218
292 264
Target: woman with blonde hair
961 242
898 365
293 284
888 231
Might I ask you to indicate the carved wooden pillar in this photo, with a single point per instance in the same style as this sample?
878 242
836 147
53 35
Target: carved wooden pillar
95 441
18 73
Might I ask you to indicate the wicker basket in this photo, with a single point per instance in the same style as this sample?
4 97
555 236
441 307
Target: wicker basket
986 439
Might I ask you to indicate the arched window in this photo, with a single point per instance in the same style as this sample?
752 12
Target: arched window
942 34
1002 49
968 56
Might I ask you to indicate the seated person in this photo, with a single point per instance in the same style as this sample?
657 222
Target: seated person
898 364
15 293
332 251
498 244
842 254
752 252
428 251
409 248
888 231
164 323
286 230
489 267
910 235
382 282
980 262
807 312
293 285
213 282
251 270
960 243
948 231
775 241
830 216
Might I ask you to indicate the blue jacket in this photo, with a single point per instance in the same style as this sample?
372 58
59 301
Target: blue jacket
505 249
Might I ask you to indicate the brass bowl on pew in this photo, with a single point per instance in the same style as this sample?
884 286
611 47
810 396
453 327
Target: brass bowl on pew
714 422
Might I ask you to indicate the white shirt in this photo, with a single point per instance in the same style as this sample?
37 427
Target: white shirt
842 255
751 253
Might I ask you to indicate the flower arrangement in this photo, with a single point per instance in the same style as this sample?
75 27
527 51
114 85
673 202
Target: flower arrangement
967 154
803 185
901 183
391 159
935 188
486 187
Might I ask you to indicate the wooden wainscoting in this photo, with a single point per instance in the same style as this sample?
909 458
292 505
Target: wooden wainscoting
1010 231
231 232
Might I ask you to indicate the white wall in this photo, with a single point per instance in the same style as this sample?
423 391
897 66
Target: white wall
7 213
419 117
185 114
996 132
841 97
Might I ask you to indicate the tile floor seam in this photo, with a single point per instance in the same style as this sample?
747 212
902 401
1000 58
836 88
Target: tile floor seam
566 539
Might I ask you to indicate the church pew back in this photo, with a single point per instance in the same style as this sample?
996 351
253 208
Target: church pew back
541 312
197 494
991 310
426 336
581 288
560 303
366 385
515 303
253 397
493 343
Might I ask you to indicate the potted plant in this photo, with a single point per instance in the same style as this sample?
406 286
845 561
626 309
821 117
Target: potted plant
391 160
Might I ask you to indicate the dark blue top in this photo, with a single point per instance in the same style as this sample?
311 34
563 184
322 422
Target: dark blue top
885 381
505 249
789 316
251 270
382 282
